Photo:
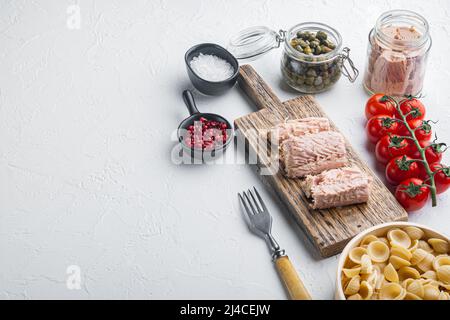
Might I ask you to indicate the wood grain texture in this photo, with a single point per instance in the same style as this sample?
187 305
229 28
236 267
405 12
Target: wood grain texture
291 280
329 229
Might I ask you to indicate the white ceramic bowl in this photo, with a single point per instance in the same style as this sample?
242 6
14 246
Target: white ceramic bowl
378 230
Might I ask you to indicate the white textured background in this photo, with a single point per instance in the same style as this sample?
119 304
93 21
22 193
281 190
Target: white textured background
85 137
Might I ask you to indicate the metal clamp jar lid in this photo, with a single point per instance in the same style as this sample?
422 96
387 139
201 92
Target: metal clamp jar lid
251 43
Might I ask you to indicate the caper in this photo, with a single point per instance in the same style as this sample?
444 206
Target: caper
299 48
303 34
300 80
303 43
312 37
295 42
329 44
318 81
309 80
314 44
307 50
321 35
311 72
318 50
326 49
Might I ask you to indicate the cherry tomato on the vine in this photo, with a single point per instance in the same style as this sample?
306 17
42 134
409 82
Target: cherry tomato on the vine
441 177
422 128
433 151
412 108
412 194
389 147
378 104
379 126
401 168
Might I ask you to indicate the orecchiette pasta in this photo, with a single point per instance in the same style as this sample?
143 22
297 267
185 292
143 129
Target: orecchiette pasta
353 286
366 290
443 274
414 245
355 296
407 282
392 291
441 260
425 246
426 263
398 262
430 274
418 255
366 264
399 238
401 264
416 288
390 274
431 292
438 245
401 252
378 251
356 254
407 272
414 233
411 296
353 272
368 239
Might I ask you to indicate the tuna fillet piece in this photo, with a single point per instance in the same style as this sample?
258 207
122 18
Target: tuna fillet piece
337 187
299 127
312 153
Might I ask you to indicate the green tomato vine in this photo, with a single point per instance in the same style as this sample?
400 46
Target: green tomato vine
421 150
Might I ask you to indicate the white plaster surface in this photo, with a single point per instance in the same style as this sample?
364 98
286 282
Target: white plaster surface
86 117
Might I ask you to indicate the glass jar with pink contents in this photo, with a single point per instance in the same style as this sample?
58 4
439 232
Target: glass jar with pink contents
397 54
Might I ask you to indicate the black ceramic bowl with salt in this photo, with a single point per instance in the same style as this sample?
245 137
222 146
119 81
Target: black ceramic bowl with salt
211 87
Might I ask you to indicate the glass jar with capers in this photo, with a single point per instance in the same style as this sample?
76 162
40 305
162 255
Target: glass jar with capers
312 61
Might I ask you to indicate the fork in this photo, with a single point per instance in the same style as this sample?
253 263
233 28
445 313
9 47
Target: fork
260 222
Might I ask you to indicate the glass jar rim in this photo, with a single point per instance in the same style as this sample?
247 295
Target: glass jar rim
313 25
414 19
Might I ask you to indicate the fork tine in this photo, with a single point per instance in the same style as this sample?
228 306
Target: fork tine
260 200
247 209
249 202
258 209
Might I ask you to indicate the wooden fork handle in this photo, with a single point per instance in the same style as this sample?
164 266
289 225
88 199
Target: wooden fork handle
291 280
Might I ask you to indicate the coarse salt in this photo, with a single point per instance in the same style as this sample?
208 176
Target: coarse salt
211 67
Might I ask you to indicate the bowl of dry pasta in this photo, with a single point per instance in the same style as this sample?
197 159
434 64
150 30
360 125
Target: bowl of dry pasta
395 261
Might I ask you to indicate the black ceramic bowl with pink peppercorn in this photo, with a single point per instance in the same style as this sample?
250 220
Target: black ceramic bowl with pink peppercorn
203 135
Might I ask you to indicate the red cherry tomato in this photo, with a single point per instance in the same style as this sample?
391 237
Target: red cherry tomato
412 105
412 194
379 104
433 151
401 168
379 126
423 134
441 177
390 147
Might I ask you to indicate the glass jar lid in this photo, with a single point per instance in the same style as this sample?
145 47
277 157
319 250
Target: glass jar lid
254 42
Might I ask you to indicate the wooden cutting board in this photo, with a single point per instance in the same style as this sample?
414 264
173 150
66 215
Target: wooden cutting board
330 229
